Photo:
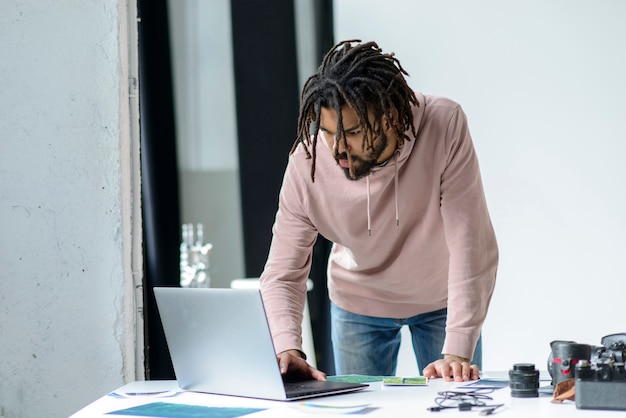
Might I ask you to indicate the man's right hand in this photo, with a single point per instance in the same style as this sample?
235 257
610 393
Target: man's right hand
293 366
452 368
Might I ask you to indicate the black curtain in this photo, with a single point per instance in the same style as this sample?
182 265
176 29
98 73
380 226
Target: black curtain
267 96
159 177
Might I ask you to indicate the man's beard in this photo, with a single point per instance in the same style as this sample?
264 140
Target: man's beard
361 167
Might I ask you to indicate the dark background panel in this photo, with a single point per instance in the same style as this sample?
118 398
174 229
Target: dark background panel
159 177
267 97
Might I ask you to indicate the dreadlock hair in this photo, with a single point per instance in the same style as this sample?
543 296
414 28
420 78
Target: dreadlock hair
367 80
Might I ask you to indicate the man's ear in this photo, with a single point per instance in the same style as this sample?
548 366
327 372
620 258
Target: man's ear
388 122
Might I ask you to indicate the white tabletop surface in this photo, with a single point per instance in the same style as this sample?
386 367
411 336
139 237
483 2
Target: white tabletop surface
381 401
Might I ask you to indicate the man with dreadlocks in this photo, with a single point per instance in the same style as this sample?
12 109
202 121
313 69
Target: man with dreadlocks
391 178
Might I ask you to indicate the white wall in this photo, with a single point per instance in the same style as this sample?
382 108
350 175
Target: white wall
68 199
543 84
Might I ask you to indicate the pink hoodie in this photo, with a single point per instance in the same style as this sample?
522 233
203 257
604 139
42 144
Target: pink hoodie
432 244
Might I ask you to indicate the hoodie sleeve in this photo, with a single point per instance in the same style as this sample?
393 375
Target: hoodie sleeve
283 281
470 238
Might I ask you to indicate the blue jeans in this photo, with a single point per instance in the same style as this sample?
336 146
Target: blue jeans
369 346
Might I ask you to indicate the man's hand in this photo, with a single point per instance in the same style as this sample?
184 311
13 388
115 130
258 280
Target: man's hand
452 368
293 366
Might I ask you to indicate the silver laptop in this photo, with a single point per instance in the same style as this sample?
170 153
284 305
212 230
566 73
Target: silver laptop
219 342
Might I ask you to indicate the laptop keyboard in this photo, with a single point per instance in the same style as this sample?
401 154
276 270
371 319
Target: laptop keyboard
302 386
315 387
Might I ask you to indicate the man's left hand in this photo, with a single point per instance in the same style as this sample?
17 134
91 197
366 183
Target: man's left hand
452 368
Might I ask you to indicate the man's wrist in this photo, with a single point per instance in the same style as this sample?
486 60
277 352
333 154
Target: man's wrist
455 357
296 352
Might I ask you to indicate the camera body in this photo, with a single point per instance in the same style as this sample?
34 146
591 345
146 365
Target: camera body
600 386
601 382
613 348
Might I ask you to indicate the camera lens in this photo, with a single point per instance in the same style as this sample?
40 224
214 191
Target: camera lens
524 381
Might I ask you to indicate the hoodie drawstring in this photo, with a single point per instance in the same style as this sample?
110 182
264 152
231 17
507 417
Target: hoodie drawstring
395 180
369 219
395 183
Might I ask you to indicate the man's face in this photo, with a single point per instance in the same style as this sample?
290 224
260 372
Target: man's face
356 161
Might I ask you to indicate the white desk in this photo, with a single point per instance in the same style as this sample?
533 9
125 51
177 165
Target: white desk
384 401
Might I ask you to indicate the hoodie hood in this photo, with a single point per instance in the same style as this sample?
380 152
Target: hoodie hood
406 147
